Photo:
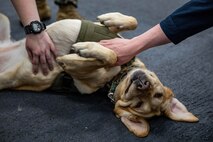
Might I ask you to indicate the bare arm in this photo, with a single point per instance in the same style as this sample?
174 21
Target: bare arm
40 48
126 49
172 29
27 10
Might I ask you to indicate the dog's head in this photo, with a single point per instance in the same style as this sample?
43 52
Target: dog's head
141 95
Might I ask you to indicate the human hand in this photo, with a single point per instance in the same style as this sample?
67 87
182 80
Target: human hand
122 47
41 51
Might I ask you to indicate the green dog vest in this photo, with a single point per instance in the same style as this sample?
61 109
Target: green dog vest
93 32
88 32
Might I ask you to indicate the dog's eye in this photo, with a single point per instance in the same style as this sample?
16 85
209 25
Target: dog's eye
158 95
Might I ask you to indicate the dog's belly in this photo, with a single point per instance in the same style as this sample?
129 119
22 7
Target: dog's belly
16 69
26 80
10 55
19 74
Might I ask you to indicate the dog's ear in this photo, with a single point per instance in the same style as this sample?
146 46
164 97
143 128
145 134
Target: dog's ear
175 110
139 127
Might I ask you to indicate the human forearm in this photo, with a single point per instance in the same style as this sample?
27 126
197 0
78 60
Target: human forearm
151 38
27 10
126 49
39 46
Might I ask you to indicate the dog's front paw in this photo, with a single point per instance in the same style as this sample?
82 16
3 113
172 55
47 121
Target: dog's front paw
118 22
85 49
95 50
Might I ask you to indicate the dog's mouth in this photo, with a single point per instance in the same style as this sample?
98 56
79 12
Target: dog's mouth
138 108
139 112
138 92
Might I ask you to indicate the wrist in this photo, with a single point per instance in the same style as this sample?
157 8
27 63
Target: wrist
138 44
152 38
36 36
35 27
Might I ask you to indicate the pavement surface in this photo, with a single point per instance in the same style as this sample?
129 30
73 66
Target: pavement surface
69 117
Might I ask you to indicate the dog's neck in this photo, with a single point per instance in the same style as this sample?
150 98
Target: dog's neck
125 68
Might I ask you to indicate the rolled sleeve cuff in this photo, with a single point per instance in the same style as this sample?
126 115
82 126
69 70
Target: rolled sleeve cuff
171 30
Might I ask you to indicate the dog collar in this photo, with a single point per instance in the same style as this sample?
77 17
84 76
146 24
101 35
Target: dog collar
125 68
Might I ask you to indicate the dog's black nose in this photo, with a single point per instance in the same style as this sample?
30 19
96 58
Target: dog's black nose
143 84
140 80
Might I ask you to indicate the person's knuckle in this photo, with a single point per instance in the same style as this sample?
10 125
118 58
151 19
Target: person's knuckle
37 52
42 52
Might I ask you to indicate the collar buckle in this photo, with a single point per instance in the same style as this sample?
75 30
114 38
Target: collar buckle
110 95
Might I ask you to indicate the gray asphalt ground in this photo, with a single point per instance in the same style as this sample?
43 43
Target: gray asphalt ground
61 117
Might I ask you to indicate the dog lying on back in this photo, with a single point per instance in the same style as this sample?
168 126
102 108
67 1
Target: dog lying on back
136 91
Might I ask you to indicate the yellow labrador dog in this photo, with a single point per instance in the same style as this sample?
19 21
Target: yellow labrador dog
136 91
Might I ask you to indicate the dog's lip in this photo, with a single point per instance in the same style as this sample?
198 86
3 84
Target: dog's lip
127 89
140 113
138 109
137 112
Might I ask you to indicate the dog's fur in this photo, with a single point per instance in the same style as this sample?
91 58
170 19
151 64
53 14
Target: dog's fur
138 96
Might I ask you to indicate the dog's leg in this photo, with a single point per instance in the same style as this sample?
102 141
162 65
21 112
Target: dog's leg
91 56
117 22
88 73
94 50
89 65
4 28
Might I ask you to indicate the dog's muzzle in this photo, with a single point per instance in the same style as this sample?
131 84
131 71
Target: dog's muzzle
140 80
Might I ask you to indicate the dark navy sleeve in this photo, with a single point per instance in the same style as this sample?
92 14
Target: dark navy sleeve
193 17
